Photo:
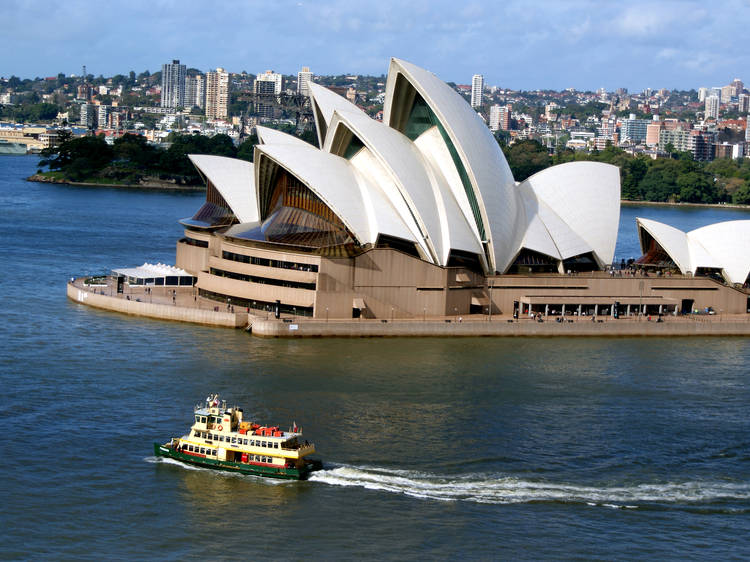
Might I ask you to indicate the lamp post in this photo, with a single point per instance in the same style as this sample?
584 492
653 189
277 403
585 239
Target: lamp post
424 314
391 314
326 315
455 314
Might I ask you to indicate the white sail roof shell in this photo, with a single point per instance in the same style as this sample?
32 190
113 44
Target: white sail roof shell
485 164
579 204
402 160
359 204
723 245
273 136
728 243
327 102
234 179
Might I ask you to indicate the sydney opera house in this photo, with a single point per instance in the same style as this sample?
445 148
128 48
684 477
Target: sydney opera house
417 215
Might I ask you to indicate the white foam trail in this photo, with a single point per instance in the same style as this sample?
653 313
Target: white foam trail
510 490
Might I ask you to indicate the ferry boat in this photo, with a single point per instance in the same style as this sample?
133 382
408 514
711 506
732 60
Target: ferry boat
222 440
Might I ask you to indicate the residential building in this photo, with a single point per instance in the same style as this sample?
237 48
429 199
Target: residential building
743 105
101 116
652 131
500 117
173 84
477 89
702 93
712 107
217 94
634 130
195 91
304 77
88 115
267 87
727 93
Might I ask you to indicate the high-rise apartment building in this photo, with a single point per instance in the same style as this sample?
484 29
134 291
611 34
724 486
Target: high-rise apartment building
743 104
712 107
267 86
217 94
652 131
702 93
634 130
747 128
477 87
195 91
500 117
739 86
304 77
727 93
173 84
268 82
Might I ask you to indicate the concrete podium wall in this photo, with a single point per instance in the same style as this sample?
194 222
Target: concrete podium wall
159 311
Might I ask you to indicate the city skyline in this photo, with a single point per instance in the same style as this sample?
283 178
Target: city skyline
583 45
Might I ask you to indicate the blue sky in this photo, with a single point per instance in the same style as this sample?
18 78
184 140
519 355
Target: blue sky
516 44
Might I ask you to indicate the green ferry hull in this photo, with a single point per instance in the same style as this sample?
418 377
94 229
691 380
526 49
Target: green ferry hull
238 467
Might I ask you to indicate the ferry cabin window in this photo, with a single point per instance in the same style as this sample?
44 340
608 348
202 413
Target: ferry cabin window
197 419
234 440
203 419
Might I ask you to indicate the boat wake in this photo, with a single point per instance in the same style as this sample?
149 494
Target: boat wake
486 489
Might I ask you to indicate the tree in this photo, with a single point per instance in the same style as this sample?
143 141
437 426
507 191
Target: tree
247 148
526 158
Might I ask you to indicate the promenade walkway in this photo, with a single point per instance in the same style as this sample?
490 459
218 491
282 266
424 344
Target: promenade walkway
184 305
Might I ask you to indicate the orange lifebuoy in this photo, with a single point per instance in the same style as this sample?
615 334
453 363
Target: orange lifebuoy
221 428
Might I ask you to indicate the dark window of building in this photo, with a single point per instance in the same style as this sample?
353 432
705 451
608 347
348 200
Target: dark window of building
262 280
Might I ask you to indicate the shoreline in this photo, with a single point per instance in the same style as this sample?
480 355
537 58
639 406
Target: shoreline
153 185
187 308
632 203
169 186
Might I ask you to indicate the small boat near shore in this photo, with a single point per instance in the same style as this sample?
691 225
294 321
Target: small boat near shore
220 439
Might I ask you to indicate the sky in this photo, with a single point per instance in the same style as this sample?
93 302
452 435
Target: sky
517 44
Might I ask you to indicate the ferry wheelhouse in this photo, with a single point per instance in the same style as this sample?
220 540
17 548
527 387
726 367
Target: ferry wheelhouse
221 439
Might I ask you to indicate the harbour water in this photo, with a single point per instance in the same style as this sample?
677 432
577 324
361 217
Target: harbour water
433 448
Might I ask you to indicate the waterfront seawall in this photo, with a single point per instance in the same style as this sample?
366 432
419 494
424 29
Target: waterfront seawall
500 328
159 311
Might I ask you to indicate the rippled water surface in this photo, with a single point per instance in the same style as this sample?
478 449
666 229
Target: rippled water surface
433 448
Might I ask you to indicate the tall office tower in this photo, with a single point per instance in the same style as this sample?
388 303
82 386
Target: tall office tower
738 85
702 93
267 86
477 86
304 77
217 94
195 91
744 103
712 107
173 84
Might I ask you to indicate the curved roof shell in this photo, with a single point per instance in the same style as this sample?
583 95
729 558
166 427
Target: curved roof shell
579 206
432 174
358 204
723 245
485 165
234 179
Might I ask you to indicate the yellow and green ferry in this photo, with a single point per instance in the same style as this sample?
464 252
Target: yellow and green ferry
222 440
